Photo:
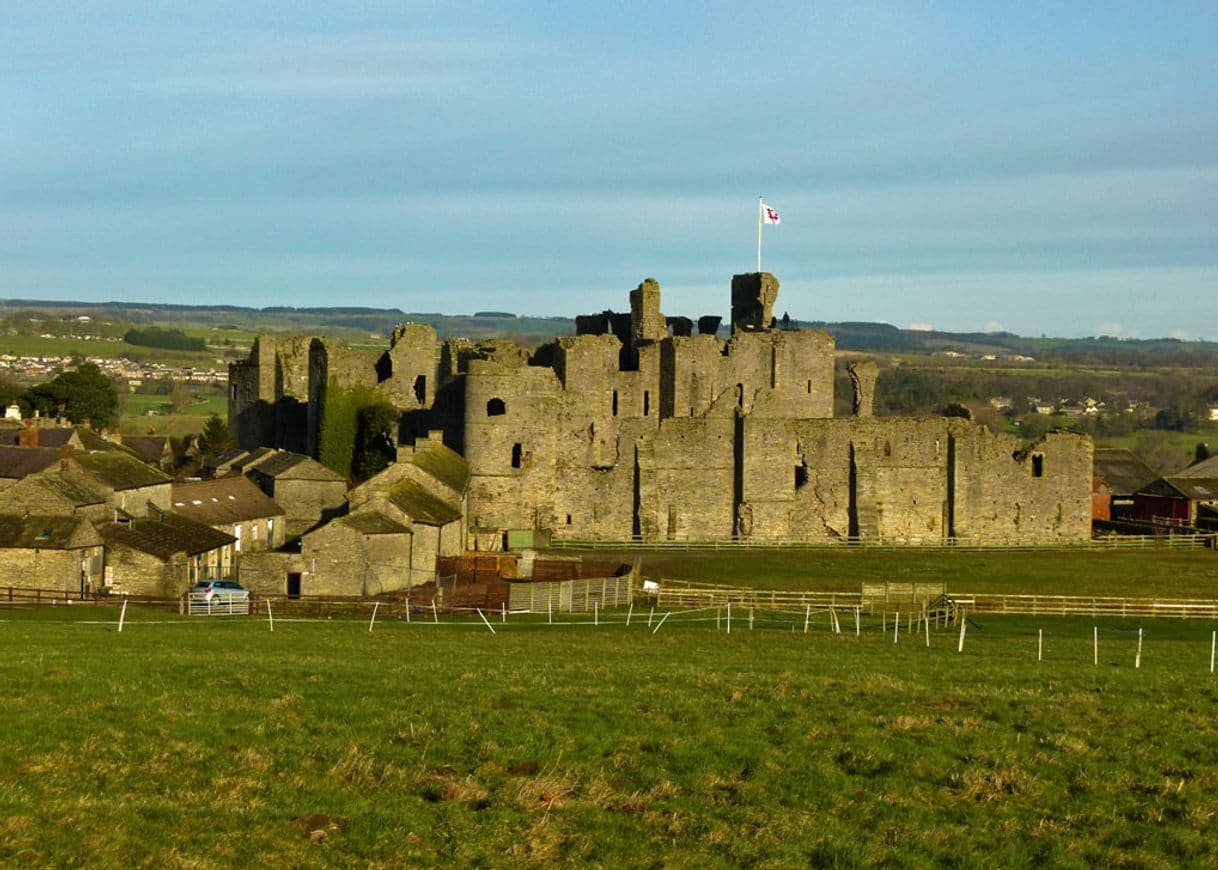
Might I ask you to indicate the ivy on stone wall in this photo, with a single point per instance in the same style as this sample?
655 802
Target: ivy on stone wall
358 431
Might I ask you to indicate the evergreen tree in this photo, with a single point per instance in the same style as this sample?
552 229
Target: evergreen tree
216 438
85 394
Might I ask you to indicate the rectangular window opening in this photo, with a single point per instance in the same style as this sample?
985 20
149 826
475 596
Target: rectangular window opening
1038 465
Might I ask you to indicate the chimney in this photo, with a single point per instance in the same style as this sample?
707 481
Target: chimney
65 453
27 438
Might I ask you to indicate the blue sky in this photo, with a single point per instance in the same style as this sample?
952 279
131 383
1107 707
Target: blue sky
1043 168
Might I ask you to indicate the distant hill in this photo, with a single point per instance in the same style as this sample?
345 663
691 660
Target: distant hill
857 336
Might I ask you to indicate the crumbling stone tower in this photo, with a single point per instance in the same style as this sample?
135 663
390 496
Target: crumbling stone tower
753 298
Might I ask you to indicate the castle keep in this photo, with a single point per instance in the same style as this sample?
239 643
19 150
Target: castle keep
640 426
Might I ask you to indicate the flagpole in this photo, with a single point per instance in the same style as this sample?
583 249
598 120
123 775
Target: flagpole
759 202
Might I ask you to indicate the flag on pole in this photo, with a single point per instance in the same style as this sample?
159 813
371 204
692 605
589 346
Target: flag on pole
769 214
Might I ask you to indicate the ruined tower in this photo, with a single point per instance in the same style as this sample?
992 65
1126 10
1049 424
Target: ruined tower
646 321
753 298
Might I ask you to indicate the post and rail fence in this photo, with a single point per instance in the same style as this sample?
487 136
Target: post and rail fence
1199 541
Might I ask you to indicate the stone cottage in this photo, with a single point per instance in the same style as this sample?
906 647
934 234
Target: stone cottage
55 553
163 555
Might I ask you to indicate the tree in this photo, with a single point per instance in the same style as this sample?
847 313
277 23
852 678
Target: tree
375 440
216 438
179 396
83 395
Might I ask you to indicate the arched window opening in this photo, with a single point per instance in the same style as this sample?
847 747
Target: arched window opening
496 408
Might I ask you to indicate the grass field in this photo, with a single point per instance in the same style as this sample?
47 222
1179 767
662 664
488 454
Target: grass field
1128 573
204 743
190 420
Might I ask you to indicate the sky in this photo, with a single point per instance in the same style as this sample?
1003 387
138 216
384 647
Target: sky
1042 168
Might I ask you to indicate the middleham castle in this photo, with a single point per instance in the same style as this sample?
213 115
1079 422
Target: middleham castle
638 427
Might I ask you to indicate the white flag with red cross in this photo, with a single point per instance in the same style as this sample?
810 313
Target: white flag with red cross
769 214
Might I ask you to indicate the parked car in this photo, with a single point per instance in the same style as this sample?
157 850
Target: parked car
222 590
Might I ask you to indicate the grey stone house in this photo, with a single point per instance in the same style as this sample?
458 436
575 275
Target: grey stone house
55 553
235 506
162 554
309 492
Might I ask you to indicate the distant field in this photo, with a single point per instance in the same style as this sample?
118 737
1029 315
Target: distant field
32 345
189 420
1131 573
204 743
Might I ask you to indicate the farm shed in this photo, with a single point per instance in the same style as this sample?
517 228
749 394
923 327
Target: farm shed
1176 499
1117 474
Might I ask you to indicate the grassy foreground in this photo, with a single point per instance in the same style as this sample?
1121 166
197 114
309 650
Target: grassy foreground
217 743
1129 573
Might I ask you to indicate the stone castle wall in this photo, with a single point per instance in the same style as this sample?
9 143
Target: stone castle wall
636 427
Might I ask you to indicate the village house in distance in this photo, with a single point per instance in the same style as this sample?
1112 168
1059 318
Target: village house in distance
638 427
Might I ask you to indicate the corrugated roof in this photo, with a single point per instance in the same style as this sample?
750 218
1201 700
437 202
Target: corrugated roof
119 470
373 523
165 536
1122 470
222 501
17 462
294 466
45 533
421 505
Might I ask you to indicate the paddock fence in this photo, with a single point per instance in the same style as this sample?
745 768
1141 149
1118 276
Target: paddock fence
907 598
571 596
1200 541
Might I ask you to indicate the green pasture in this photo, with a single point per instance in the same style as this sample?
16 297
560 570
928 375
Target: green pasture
1151 572
166 421
196 742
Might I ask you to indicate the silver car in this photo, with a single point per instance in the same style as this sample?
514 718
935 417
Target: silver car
221 591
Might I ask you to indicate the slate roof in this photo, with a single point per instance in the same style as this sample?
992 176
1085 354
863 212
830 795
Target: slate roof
1196 488
284 465
149 448
222 501
119 470
422 505
373 523
163 537
445 465
1122 470
46 533
74 488
1204 468
18 462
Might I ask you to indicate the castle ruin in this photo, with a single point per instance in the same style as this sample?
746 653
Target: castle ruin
639 427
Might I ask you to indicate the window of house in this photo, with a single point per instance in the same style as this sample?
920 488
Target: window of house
646 402
496 408
517 455
420 389
1038 465
615 403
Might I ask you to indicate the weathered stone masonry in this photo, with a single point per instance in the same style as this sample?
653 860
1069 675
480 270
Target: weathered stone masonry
639 427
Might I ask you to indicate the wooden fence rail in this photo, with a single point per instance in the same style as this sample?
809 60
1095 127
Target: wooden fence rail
697 595
1201 541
